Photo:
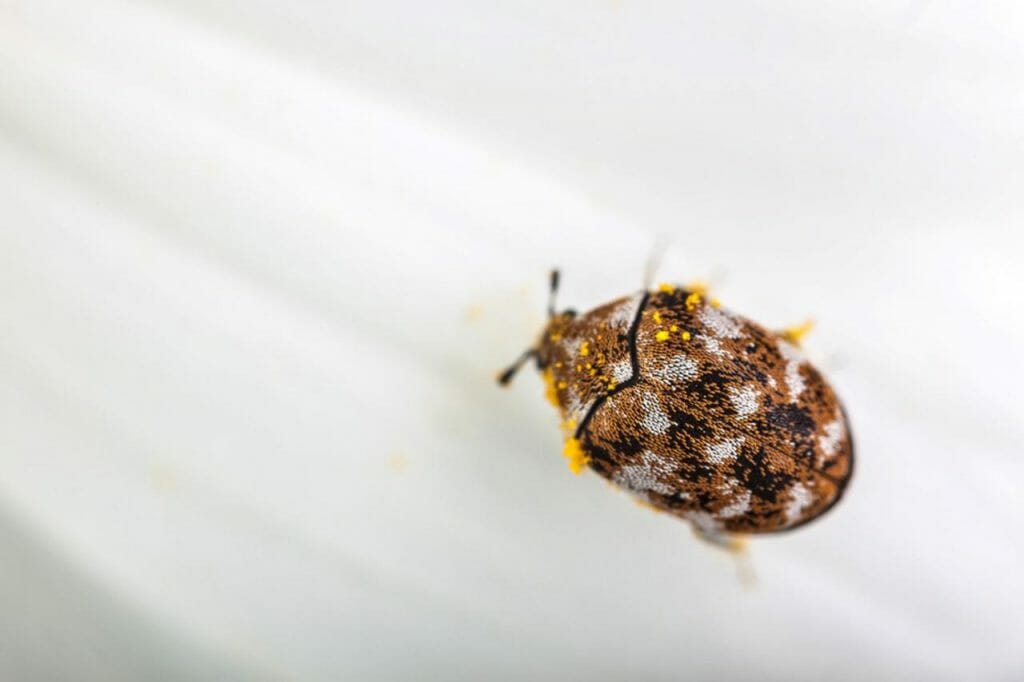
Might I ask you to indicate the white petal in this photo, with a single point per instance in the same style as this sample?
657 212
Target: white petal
259 263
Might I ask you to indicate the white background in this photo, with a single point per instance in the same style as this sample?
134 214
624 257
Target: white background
259 262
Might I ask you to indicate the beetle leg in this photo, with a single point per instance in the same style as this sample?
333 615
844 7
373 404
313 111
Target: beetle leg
735 544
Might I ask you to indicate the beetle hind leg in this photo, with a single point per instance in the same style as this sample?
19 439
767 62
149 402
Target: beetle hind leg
730 542
737 546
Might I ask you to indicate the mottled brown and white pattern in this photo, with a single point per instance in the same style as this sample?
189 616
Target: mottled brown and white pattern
700 412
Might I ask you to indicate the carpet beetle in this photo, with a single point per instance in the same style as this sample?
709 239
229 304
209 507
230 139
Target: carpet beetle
695 410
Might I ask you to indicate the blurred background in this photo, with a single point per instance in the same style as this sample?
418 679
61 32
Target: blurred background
260 261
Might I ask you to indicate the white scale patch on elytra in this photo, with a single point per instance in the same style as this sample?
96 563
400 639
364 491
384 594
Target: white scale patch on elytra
714 347
834 432
794 380
718 453
624 314
621 371
740 506
680 368
721 323
642 477
744 400
799 499
655 420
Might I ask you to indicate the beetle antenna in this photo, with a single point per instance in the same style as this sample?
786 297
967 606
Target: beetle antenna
552 292
505 377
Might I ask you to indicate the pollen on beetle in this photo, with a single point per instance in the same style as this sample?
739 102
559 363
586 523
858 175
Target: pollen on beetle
796 333
555 336
549 387
675 401
698 287
574 453
686 361
666 288
715 303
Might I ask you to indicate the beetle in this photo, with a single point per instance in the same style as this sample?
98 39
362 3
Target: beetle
695 410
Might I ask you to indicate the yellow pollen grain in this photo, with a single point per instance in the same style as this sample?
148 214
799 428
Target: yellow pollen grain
555 336
698 287
796 333
686 336
673 328
593 372
562 384
666 288
569 426
662 335
585 348
574 453
549 387
715 303
657 317
692 301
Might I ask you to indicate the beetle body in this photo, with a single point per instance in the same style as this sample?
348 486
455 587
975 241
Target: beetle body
697 411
